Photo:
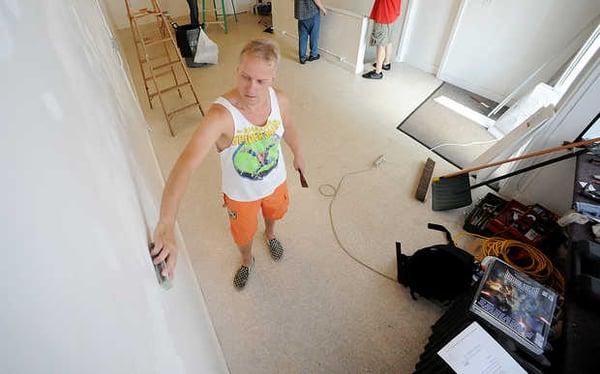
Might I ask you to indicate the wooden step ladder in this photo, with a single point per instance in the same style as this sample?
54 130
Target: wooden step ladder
151 69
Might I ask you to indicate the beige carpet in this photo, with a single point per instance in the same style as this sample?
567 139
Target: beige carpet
317 311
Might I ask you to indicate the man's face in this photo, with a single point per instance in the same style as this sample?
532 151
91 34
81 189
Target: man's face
254 77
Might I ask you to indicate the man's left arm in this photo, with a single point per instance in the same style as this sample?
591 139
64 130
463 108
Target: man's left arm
290 136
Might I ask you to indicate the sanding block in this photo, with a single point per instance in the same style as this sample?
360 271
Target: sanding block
158 269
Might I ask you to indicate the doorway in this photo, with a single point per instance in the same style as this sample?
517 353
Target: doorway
370 52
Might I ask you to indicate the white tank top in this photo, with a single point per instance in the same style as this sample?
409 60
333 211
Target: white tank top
252 167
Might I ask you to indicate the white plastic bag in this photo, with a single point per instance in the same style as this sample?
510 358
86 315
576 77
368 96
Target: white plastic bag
207 51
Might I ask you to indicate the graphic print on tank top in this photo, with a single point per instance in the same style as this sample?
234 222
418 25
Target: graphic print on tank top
257 152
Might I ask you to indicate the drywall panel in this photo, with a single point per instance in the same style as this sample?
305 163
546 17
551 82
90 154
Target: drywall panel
342 33
428 25
497 44
360 7
80 194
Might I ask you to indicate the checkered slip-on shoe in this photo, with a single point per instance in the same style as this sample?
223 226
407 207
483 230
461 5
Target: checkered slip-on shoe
384 66
275 248
373 75
241 276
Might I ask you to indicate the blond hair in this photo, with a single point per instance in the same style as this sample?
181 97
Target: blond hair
265 49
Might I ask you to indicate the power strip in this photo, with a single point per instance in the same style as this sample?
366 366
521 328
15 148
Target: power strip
379 161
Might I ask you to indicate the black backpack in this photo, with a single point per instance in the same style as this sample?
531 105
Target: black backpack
440 272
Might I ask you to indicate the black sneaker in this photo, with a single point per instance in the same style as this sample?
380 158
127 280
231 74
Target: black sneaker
384 66
302 60
314 58
241 276
275 248
373 75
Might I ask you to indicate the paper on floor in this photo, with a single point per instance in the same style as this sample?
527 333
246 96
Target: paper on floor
474 351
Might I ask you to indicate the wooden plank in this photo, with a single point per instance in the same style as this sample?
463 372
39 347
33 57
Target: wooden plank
425 180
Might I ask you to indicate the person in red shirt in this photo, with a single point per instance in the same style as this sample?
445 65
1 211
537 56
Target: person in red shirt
383 14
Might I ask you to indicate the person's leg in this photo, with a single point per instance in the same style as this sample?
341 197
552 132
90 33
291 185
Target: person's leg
314 36
274 208
388 54
377 35
243 273
243 221
302 40
270 228
246 252
377 73
193 5
380 58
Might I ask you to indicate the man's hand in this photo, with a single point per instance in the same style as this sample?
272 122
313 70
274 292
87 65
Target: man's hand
299 164
320 5
165 248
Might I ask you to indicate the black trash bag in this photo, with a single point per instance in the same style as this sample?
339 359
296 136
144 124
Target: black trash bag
187 41
440 272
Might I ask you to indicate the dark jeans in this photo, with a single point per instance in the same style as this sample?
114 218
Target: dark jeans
309 27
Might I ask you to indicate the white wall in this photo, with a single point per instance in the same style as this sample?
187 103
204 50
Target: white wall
80 181
497 44
552 186
176 8
428 25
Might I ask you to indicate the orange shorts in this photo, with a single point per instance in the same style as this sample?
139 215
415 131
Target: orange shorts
243 215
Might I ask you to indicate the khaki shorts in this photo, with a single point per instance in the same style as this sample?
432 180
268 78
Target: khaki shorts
381 34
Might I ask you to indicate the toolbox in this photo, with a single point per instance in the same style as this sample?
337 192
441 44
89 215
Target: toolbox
494 216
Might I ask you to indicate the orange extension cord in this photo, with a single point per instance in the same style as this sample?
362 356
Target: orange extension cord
522 257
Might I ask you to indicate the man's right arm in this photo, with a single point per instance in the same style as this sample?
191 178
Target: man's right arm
321 6
211 128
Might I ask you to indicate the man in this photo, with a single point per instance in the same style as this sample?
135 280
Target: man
309 24
383 14
246 125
